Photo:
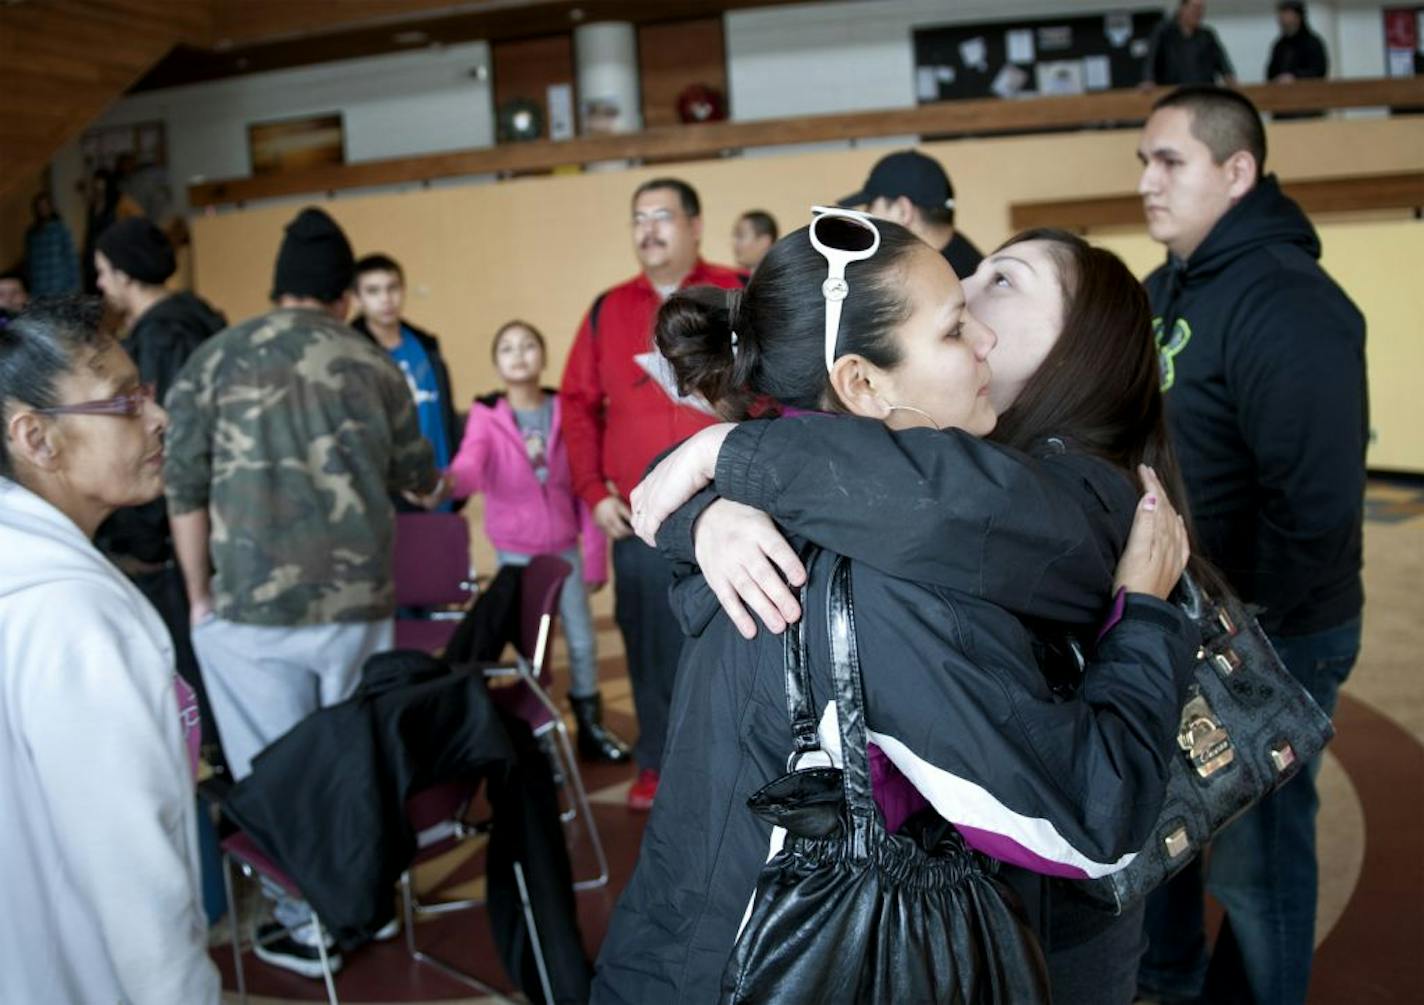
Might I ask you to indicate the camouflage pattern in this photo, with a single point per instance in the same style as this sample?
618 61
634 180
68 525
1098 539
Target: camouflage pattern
293 431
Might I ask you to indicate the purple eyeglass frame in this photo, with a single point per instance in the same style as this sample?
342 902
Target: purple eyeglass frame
123 405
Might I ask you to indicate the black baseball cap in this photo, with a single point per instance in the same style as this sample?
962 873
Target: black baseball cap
909 173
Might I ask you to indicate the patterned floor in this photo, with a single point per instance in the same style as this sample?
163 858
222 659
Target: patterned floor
1371 927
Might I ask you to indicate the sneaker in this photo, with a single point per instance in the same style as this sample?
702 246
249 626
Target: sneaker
640 796
294 950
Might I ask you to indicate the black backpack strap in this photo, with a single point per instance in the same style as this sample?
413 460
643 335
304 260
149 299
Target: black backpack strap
595 311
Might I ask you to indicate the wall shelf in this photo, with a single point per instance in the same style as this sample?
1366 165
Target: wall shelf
946 119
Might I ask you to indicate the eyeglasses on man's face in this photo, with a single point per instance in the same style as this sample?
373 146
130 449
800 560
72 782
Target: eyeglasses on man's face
653 218
129 405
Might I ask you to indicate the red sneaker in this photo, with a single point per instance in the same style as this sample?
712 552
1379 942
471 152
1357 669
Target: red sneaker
640 796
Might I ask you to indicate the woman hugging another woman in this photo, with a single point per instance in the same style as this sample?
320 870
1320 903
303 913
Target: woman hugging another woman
966 554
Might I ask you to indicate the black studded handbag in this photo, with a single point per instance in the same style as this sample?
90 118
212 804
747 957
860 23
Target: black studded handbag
1247 727
848 913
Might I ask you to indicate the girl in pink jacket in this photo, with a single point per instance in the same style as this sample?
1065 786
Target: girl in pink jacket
514 453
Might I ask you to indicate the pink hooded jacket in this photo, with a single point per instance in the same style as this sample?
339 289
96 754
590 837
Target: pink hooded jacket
521 515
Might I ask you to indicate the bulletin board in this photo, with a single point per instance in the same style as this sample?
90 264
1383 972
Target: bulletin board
1008 59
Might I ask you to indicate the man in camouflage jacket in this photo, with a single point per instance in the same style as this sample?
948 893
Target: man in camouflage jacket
288 433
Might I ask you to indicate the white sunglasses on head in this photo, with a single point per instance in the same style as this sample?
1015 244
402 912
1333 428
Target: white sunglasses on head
835 289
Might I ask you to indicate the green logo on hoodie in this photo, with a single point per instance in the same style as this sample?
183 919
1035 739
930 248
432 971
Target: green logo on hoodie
1167 348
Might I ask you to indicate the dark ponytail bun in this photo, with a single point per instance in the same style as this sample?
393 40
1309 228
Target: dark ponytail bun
694 331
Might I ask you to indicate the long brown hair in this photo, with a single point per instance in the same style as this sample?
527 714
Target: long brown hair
1099 384
1099 388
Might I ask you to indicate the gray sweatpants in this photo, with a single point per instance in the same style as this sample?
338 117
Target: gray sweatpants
263 680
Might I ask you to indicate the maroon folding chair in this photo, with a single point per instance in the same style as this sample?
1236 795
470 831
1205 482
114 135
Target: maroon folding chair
439 816
528 696
433 573
255 864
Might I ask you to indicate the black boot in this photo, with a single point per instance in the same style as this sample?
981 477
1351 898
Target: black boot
595 741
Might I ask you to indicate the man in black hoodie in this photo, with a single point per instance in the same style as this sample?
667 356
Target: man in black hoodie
1263 362
133 259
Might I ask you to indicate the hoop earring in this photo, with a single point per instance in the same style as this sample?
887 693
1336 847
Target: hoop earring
911 408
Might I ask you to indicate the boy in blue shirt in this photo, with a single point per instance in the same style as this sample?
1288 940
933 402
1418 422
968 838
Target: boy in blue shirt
380 294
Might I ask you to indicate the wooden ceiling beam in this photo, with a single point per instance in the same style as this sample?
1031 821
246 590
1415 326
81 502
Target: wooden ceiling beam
257 36
256 21
122 54
65 61
189 21
80 27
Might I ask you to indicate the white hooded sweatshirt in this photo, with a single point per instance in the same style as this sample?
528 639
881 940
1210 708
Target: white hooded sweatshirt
98 844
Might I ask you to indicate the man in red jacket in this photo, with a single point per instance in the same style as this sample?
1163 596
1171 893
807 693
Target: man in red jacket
620 411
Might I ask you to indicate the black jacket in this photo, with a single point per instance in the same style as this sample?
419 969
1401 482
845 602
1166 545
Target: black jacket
327 799
431 345
940 508
953 694
1177 58
1263 362
1302 54
327 802
160 343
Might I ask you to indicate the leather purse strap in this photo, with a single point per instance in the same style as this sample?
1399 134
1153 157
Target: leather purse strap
804 733
850 706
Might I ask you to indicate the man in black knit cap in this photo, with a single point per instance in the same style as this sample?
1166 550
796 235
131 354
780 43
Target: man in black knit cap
287 435
134 260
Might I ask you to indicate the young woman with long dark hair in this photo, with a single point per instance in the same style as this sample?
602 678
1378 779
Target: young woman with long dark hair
954 695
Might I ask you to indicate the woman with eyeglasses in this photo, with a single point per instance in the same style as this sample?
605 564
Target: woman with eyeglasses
857 318
98 842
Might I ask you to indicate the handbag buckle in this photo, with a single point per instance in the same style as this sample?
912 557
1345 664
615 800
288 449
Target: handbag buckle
1178 843
818 757
1227 661
1283 756
1202 737
1225 621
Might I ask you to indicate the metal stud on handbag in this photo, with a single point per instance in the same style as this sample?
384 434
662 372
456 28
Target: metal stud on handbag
1247 727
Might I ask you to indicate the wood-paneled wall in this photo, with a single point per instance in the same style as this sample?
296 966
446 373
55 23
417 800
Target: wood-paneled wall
66 60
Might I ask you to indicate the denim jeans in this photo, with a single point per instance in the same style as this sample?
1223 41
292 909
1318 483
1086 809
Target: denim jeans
576 620
1261 869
